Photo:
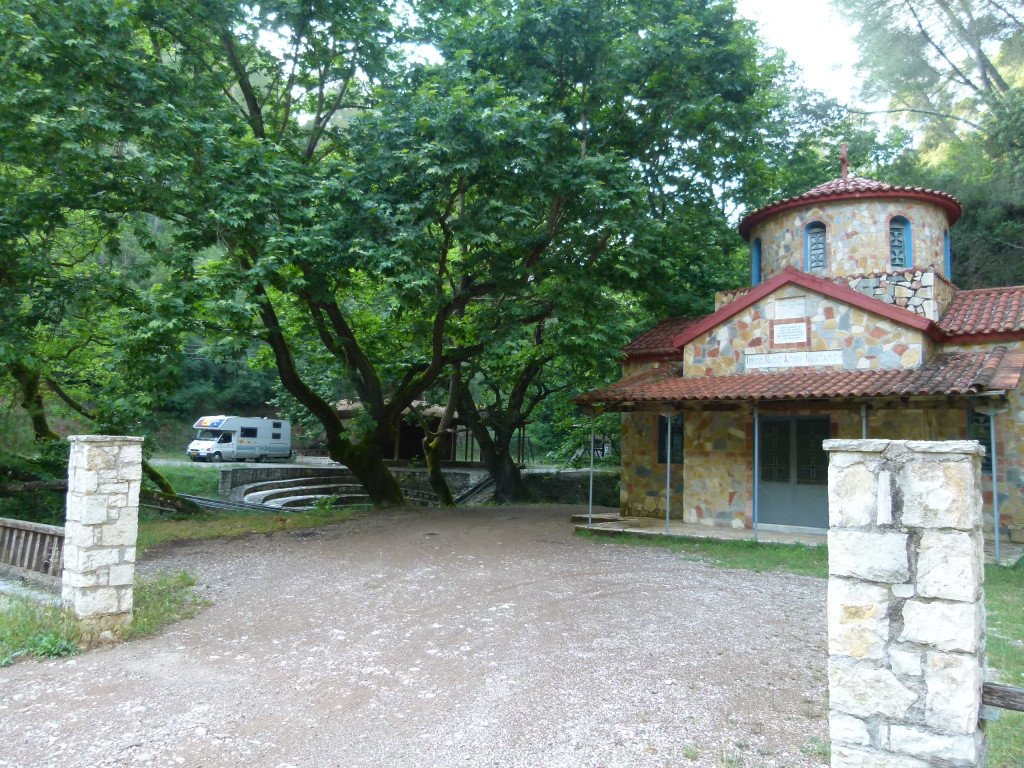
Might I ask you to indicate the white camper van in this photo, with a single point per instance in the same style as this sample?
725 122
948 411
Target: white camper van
237 438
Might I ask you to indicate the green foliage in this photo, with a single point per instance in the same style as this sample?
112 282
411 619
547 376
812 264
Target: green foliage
30 629
163 599
955 71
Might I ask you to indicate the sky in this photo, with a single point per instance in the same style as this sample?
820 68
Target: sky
814 37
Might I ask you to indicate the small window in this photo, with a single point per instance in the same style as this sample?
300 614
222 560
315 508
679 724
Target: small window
755 262
814 247
979 427
900 245
275 435
276 425
947 255
248 431
677 439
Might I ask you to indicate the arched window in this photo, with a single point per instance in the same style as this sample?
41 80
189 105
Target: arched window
814 247
901 247
947 255
755 262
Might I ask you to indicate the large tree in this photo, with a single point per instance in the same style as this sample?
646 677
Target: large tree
375 223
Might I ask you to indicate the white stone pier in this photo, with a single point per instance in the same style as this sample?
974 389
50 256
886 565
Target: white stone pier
104 477
906 615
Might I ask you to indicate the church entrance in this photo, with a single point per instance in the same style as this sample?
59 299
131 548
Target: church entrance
793 482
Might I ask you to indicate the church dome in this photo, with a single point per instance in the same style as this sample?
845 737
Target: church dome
846 188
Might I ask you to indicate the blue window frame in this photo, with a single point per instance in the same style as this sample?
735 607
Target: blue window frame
947 255
755 262
814 247
901 244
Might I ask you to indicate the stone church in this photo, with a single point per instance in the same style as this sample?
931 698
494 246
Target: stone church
852 327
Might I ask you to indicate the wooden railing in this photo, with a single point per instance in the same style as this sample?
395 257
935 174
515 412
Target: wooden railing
32 551
1003 696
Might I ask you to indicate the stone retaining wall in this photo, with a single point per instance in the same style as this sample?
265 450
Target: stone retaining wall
906 616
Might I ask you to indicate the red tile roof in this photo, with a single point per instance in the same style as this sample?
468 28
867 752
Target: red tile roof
958 373
853 188
657 342
985 310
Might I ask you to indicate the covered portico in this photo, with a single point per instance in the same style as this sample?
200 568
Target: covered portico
744 452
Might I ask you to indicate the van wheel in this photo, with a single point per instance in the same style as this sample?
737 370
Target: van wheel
260 458
216 457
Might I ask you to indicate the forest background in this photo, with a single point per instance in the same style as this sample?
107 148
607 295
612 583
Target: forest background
221 207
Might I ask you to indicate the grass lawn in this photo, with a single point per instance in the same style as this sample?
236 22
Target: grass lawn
219 525
745 555
1004 603
194 479
28 629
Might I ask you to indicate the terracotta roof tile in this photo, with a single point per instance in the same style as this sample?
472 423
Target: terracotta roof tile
851 188
985 310
957 373
657 342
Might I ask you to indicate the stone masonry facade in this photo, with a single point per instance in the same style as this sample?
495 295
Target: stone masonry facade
856 233
866 340
906 617
100 533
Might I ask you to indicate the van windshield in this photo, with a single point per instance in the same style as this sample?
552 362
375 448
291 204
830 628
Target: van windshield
208 434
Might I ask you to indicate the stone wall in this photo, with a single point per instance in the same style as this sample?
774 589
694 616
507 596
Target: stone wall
1010 447
856 236
905 603
642 483
920 290
572 486
104 478
863 339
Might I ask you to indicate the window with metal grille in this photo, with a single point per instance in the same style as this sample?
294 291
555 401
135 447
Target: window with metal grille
811 460
774 459
814 247
677 439
900 250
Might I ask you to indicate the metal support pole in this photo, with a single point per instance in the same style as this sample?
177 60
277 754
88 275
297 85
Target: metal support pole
995 478
864 421
590 499
757 469
668 471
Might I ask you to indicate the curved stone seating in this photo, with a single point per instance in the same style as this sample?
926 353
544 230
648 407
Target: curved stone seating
295 493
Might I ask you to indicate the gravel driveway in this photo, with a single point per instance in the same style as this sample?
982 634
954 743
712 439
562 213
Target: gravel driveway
481 637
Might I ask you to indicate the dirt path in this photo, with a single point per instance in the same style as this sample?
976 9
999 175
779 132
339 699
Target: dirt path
487 637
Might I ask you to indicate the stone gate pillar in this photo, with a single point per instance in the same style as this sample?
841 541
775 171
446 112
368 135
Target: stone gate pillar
906 622
104 477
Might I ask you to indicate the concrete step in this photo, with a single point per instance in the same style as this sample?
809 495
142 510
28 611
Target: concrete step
599 517
269 496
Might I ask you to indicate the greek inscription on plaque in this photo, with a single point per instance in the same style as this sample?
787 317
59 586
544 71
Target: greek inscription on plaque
789 333
794 359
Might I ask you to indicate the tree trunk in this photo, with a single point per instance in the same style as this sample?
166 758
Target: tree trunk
32 400
158 479
508 479
495 452
367 463
432 443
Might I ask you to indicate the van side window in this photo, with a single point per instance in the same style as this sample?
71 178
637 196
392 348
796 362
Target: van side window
275 435
277 425
248 431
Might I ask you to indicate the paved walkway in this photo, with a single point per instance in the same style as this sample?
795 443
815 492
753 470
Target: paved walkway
649 526
480 637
